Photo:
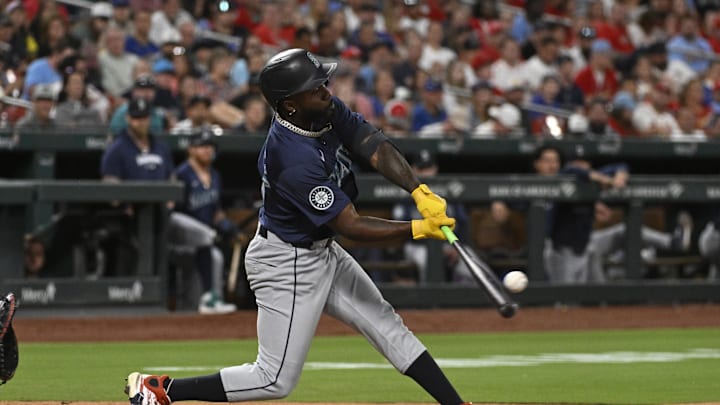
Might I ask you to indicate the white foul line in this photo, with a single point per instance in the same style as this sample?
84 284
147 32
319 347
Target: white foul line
503 360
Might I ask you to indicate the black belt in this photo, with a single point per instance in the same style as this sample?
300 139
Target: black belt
303 245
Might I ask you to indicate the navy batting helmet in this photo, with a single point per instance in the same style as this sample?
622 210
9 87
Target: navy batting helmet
290 72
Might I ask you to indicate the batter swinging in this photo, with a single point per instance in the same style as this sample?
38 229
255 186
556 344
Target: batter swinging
294 267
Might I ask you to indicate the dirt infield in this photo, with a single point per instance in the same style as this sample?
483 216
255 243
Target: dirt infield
242 324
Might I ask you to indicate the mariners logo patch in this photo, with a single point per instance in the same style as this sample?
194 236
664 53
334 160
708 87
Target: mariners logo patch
321 197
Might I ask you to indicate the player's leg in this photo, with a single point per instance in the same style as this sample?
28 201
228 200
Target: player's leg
291 287
356 300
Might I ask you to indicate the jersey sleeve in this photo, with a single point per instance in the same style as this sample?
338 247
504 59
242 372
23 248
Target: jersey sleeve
310 190
358 135
111 163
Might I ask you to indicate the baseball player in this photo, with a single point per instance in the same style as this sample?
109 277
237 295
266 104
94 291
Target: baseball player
295 268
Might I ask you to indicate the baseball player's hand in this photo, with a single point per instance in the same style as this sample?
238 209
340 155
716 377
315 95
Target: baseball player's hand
428 203
430 227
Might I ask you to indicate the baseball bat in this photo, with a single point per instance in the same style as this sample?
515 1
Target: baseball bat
483 275
234 266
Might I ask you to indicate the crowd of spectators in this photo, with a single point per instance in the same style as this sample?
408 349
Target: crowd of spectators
425 68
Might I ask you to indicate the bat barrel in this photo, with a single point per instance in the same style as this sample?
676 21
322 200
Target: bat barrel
507 310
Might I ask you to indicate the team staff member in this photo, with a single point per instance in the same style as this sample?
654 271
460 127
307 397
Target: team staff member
294 267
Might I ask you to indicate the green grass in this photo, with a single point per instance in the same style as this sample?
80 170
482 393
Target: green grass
95 372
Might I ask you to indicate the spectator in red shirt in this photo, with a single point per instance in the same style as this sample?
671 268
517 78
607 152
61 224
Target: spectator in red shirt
615 30
598 78
271 30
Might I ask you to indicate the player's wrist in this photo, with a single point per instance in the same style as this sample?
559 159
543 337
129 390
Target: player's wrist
420 192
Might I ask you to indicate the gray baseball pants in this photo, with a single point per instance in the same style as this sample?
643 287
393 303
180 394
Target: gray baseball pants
293 287
186 234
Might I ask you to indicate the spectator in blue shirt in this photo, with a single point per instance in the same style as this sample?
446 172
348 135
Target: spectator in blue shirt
144 87
689 47
138 42
430 110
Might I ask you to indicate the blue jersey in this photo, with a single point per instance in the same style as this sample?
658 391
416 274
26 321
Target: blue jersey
201 203
307 178
124 160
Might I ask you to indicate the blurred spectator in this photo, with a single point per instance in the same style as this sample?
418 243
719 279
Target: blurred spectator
652 116
223 14
614 30
326 40
435 56
217 79
34 258
510 67
138 41
381 56
430 108
598 78
315 13
122 16
188 87
692 97
41 117
483 97
90 32
217 86
96 98
384 92
689 47
542 63
74 109
343 85
257 116
198 116
504 121
23 42
647 29
397 118
358 11
44 70
270 30
599 127
517 96
414 17
458 80
143 88
623 105
365 38
687 127
580 51
115 63
570 96
542 101
165 22
525 23
166 90
646 76
52 33
405 71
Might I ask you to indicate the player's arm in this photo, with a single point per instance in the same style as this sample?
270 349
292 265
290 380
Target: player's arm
370 143
365 228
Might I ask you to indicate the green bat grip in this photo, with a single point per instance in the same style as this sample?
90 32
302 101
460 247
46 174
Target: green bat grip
449 234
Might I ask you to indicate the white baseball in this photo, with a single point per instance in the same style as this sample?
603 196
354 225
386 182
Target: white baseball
515 281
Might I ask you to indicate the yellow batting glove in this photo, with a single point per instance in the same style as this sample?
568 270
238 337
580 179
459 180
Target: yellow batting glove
430 227
428 203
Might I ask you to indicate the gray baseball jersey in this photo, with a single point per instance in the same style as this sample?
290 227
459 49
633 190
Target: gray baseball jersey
295 268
